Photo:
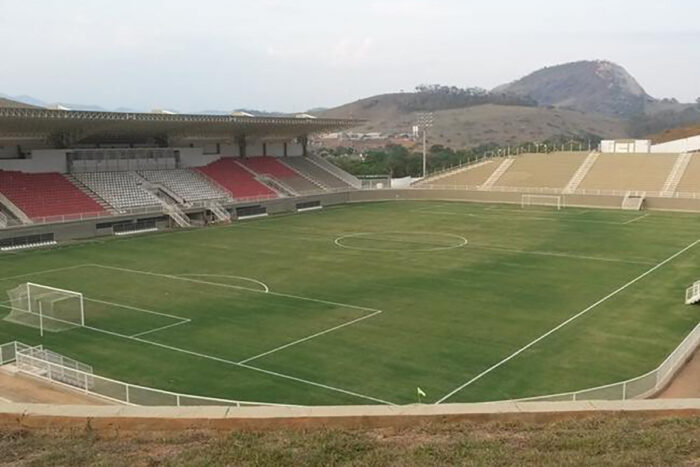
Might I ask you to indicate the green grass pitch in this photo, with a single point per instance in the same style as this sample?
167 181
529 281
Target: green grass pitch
361 304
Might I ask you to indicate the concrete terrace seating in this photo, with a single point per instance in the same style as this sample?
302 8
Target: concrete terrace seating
187 184
271 167
236 179
45 195
315 172
122 190
637 172
469 177
552 170
690 181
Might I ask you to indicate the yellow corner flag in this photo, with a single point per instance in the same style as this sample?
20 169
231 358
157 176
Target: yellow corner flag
420 392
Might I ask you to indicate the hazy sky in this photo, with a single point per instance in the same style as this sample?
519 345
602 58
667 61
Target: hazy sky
295 55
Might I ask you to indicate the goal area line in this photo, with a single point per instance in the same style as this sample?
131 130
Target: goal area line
371 312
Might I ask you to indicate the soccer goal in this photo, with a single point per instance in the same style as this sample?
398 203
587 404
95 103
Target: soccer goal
45 308
554 201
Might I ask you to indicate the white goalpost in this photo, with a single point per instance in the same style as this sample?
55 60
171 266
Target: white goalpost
553 201
45 308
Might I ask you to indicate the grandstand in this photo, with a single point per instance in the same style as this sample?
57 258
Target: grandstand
316 174
472 175
639 172
233 176
122 190
186 184
272 167
552 170
690 180
45 195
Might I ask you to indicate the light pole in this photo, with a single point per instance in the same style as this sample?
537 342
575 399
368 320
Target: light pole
425 121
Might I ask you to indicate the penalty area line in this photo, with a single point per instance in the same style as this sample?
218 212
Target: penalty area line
218 359
299 341
635 219
167 326
561 325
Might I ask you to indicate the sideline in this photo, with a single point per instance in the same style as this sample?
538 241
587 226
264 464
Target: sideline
576 316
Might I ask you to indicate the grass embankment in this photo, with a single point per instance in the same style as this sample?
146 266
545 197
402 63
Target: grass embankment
591 441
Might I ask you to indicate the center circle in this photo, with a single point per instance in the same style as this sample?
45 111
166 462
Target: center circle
400 241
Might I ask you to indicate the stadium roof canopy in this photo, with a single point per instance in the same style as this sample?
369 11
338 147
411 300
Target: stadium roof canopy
65 128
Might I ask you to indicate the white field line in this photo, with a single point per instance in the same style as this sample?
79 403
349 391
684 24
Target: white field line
299 341
254 281
45 271
556 254
518 218
635 219
221 360
561 325
237 287
8 401
142 310
167 326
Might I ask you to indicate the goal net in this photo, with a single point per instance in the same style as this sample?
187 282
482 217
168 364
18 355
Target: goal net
45 308
554 201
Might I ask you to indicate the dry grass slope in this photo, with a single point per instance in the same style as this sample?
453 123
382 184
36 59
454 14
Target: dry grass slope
589 441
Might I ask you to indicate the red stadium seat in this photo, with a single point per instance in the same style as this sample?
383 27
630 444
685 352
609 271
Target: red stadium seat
46 194
237 180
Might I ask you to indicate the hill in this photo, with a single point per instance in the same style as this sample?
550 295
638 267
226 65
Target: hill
675 133
471 126
589 86
9 103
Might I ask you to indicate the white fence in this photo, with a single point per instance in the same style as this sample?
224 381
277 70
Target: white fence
639 387
556 191
61 370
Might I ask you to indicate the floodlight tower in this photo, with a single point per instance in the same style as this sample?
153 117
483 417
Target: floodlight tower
425 121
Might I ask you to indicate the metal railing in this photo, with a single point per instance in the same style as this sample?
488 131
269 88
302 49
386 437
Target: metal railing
556 191
33 361
635 388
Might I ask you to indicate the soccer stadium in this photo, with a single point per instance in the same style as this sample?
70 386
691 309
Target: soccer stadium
189 260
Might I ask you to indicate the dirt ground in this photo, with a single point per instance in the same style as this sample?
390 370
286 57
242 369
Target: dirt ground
20 388
686 384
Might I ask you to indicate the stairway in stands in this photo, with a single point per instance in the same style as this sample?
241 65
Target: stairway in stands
581 173
235 179
491 181
674 178
89 193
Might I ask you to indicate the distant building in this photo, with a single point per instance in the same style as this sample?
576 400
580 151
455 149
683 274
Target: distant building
625 146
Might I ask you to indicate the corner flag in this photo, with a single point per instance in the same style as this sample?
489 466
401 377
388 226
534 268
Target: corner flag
421 393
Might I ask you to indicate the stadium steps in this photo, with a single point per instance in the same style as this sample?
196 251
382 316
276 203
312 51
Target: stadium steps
674 178
305 176
453 171
491 181
633 201
91 194
318 173
235 179
268 181
581 172
548 171
692 294
337 172
628 172
221 214
14 210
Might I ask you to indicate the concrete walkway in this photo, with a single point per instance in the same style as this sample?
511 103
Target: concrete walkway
228 418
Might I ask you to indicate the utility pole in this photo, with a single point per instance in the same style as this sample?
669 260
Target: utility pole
425 121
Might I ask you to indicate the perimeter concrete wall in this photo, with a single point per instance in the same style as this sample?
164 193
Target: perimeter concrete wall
88 229
111 418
